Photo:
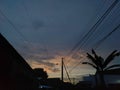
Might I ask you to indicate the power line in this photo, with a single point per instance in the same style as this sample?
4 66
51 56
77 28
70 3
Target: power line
26 10
77 45
104 38
93 29
67 72
75 66
86 37
101 32
12 24
99 43
96 25
29 18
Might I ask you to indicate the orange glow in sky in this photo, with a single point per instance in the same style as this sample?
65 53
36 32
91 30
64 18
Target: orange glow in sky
73 65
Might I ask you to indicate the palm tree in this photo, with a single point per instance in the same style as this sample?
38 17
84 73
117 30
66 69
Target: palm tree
101 65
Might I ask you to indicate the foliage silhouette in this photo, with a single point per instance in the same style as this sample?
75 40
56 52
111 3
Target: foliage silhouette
101 65
40 73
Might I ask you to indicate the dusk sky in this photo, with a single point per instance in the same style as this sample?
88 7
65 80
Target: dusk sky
44 31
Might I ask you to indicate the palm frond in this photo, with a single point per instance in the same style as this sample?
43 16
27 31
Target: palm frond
113 66
100 61
92 59
117 54
110 58
94 53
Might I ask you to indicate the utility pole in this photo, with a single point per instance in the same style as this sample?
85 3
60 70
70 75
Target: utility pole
74 81
62 69
66 72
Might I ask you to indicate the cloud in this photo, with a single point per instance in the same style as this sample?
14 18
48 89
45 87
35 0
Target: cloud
47 66
34 50
37 24
31 25
50 64
37 57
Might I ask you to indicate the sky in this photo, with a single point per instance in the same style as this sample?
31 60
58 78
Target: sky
44 31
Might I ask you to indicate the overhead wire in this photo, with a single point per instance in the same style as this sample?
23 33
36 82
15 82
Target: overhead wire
26 9
13 25
114 14
67 72
81 40
16 28
95 26
97 44
105 37
78 46
75 66
78 43
29 18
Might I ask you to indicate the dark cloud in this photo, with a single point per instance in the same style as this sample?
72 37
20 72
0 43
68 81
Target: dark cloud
37 53
41 57
51 66
45 63
37 24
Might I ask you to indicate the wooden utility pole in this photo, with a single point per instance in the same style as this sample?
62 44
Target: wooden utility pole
62 69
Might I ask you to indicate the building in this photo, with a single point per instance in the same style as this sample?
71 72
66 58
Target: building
112 76
15 73
58 84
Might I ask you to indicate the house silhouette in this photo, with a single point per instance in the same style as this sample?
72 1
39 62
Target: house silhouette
15 73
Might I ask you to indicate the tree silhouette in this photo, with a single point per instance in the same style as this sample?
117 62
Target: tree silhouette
101 65
40 73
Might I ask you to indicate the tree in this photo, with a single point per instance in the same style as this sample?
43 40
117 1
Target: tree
101 65
40 73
